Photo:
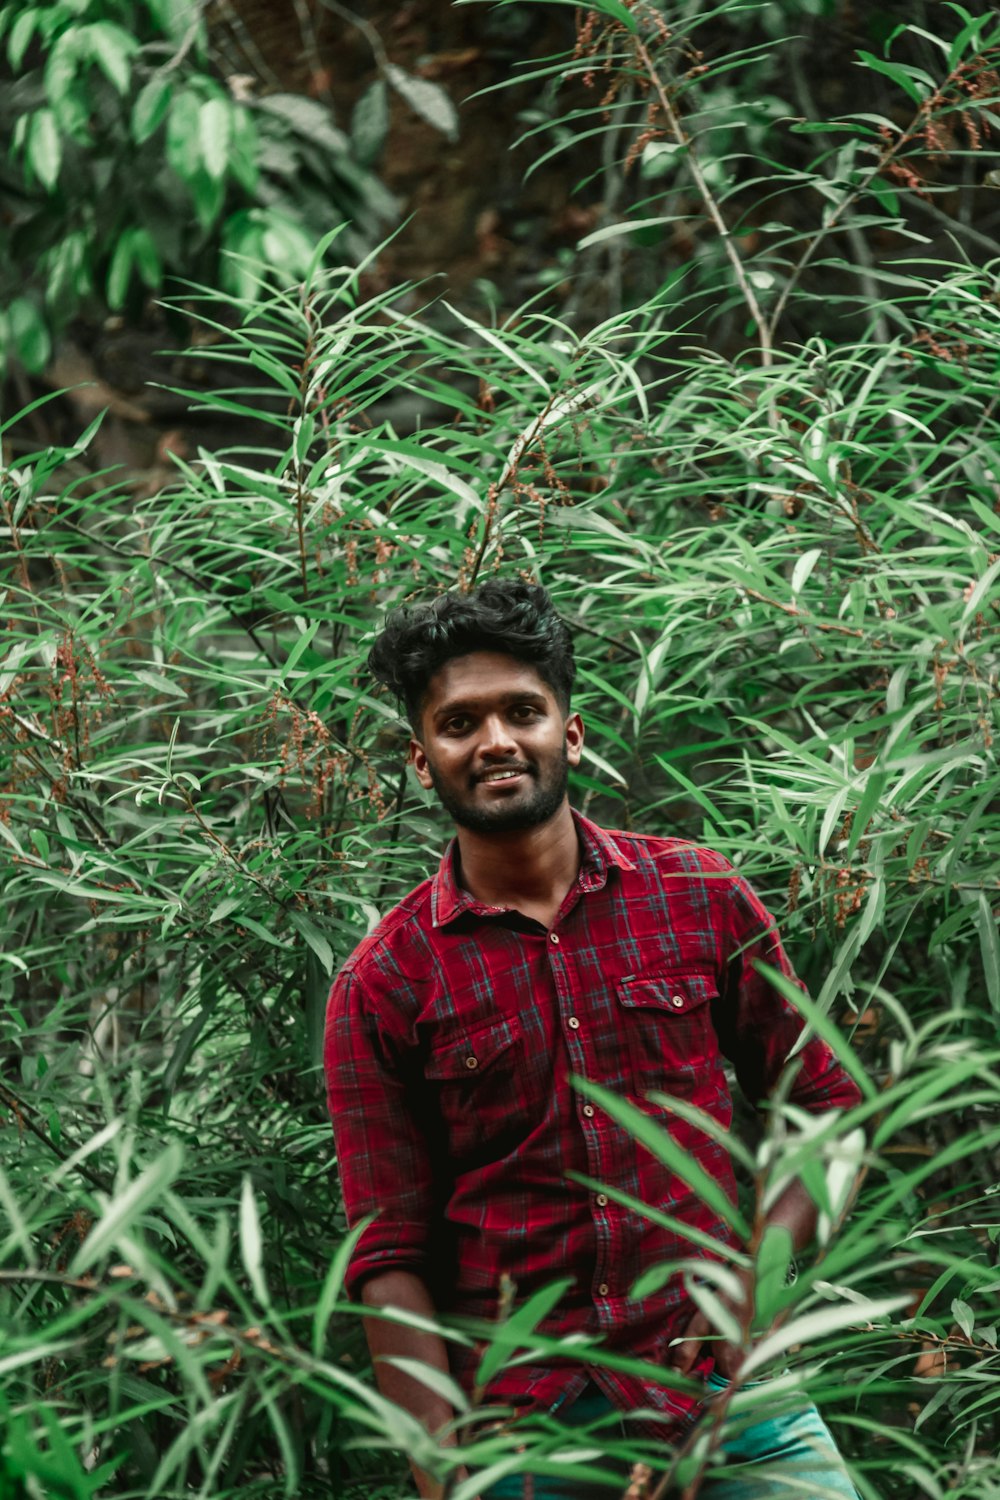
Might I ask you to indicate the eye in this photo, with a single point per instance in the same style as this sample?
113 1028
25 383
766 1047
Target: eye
524 711
459 725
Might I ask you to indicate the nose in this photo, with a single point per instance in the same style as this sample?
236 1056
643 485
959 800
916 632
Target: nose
496 741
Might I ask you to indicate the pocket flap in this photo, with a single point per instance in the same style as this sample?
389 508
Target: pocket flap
465 1053
677 991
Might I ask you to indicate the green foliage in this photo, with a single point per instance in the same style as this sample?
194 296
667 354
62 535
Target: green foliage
133 160
780 558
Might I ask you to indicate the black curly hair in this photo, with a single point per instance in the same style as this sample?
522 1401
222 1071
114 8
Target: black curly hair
501 615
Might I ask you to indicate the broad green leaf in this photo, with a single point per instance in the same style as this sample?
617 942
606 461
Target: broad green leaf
45 147
30 334
21 33
150 108
111 48
214 131
428 100
370 122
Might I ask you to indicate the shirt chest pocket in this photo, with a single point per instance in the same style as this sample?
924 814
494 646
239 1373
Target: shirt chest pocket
668 1024
472 1075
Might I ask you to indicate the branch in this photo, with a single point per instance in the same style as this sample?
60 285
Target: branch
764 330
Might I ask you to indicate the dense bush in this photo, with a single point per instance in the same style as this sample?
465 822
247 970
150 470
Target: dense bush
780 561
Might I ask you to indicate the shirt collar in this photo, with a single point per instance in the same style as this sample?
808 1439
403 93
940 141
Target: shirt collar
600 854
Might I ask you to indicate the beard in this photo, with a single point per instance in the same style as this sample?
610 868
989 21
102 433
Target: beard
535 805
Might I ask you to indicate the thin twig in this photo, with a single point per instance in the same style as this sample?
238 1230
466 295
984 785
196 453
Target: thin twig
764 331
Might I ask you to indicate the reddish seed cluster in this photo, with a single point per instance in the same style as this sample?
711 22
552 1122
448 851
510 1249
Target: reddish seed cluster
309 747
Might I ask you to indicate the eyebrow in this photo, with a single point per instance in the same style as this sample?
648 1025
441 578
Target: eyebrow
469 705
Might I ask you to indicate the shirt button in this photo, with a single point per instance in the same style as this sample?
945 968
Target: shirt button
603 1289
573 1024
677 1000
472 1062
553 937
601 1200
588 1110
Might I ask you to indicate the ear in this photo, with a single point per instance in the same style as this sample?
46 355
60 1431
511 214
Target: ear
574 739
418 760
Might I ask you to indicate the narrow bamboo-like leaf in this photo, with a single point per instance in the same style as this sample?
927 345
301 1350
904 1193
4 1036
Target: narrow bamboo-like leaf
317 942
511 1333
252 1243
818 1325
708 1125
819 1023
333 1284
122 1211
658 1140
989 942
438 1381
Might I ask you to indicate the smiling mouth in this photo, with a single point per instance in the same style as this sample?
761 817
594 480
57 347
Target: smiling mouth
499 777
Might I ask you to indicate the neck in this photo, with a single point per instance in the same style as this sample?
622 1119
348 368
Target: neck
530 869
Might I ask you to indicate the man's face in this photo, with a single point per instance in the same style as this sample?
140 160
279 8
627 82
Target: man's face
495 745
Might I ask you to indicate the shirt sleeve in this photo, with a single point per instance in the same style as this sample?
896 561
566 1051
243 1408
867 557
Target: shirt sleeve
758 1027
383 1160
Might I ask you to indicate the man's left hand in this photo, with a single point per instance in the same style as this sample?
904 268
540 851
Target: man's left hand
699 1335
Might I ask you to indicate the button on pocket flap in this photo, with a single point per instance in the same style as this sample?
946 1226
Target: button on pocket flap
677 992
465 1053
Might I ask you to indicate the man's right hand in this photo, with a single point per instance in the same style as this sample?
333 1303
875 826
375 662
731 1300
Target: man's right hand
389 1340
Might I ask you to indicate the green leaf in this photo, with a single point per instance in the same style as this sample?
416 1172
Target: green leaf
818 1325
438 1381
150 108
907 78
774 1258
428 100
21 33
214 131
120 271
370 123
183 134
30 334
964 1316
510 1334
252 1243
333 1284
314 938
708 1125
625 226
989 942
658 1140
121 1212
44 147
111 49
147 257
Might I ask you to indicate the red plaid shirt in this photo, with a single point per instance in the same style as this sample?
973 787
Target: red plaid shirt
451 1033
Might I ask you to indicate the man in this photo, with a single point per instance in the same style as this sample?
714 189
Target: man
546 947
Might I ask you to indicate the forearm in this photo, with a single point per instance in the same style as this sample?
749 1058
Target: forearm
388 1340
795 1211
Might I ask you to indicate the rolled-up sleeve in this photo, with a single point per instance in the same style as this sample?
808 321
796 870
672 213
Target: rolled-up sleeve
383 1160
759 1027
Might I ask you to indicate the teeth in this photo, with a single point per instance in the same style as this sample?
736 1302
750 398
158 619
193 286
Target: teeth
501 775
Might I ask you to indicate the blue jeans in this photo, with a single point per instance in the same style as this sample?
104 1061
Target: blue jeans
790 1456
